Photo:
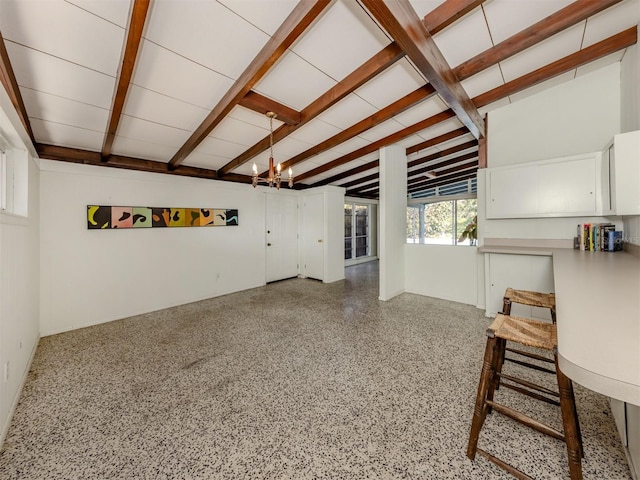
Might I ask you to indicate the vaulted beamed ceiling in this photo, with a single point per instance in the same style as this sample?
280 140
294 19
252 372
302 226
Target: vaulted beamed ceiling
181 86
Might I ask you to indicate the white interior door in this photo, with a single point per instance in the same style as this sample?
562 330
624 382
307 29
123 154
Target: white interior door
281 236
313 236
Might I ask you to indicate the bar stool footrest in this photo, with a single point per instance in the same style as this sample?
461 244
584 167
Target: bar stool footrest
526 420
530 355
504 465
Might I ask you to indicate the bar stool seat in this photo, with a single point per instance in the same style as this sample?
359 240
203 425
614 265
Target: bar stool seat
533 299
530 333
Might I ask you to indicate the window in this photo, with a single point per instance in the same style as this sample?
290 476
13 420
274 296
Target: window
441 222
356 231
13 179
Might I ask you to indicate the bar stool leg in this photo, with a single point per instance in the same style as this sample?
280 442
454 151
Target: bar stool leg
570 424
480 409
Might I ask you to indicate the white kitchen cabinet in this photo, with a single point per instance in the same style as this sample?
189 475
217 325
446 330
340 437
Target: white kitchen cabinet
622 157
523 272
561 187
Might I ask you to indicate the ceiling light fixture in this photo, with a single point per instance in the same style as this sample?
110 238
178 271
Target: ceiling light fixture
274 177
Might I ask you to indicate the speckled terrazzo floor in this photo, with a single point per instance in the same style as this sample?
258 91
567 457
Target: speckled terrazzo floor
295 380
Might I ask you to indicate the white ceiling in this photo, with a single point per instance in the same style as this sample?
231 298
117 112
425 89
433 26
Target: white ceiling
66 57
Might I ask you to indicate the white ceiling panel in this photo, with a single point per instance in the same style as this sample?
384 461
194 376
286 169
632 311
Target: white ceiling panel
483 81
114 11
613 20
471 26
392 84
55 109
253 118
381 130
347 112
341 40
315 132
239 132
207 33
152 106
600 63
421 111
508 17
350 145
543 86
289 147
64 31
492 106
283 87
130 147
42 72
440 128
456 141
267 16
152 132
422 7
173 75
203 160
66 135
543 53
220 148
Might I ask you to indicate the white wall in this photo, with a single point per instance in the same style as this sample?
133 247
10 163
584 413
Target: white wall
94 276
578 116
334 233
19 270
552 123
630 81
442 271
393 217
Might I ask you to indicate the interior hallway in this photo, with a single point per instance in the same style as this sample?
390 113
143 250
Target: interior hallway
298 379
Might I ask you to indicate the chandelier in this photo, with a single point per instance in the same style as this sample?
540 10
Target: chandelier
275 175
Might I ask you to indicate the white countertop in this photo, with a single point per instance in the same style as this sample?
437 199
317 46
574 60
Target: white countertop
598 315
598 311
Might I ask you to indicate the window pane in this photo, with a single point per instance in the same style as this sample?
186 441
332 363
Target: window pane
467 211
413 225
438 223
361 246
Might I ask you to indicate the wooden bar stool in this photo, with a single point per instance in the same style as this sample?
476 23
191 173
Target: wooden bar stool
532 299
534 334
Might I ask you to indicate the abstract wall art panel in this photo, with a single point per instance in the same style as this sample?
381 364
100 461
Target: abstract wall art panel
176 217
109 217
141 217
121 217
98 217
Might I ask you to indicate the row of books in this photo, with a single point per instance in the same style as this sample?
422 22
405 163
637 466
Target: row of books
594 237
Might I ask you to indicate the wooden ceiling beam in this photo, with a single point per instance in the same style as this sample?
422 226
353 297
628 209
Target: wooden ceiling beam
439 182
348 173
410 150
437 140
549 26
372 147
134 37
10 84
400 21
442 164
448 171
443 153
305 12
363 125
447 13
261 104
438 19
368 70
601 49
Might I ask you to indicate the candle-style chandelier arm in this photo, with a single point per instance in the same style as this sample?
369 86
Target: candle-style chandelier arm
275 174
